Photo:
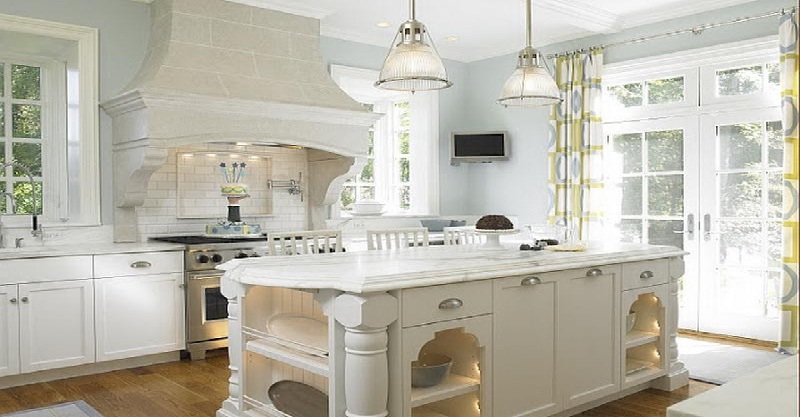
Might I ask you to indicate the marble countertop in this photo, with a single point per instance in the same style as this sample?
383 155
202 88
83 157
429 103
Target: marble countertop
371 271
47 251
768 392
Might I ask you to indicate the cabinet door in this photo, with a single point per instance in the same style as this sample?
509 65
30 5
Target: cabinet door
589 334
139 315
524 347
9 330
56 324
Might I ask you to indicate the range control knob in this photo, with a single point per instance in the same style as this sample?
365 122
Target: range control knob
216 258
242 255
203 259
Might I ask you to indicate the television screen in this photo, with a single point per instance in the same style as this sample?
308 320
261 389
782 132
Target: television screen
486 146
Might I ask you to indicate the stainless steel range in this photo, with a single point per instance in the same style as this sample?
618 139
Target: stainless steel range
206 307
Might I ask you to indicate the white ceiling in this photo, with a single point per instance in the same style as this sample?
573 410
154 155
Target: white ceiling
487 28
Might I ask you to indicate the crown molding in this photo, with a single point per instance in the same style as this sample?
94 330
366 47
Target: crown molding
675 11
297 7
584 15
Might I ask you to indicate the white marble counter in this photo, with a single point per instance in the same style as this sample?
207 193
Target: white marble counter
372 271
768 392
78 248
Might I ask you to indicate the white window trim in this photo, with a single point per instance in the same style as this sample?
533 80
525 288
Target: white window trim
86 39
358 83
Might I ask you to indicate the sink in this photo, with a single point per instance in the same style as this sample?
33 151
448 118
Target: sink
26 250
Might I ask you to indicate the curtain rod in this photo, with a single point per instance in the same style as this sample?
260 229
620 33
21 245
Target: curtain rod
695 30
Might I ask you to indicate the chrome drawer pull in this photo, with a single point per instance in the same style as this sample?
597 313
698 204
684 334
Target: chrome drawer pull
141 264
530 281
647 275
450 304
594 272
13 301
24 299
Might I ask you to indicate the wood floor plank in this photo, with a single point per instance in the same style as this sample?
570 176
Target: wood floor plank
197 389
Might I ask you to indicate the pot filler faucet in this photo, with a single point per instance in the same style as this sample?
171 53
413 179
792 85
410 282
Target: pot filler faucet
36 230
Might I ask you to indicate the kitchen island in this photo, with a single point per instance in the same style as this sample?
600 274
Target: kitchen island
529 333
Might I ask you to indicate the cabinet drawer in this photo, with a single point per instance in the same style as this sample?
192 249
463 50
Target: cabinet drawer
645 274
446 302
60 268
127 264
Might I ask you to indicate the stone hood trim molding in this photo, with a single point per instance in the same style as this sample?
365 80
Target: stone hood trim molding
217 71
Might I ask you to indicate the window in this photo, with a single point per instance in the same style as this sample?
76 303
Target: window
20 136
48 122
401 168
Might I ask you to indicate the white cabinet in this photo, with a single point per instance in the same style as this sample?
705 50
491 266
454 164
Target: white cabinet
139 315
9 330
588 334
525 378
56 325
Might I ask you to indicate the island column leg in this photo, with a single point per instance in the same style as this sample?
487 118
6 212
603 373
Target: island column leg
235 293
677 374
365 318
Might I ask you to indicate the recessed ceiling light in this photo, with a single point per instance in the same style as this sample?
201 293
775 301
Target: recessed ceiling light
451 38
383 24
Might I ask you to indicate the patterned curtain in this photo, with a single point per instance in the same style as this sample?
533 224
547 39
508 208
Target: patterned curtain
576 145
791 231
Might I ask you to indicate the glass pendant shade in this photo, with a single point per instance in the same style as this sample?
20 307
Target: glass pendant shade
530 85
413 64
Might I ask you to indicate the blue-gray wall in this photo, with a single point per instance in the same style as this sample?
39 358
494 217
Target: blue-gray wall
124 29
452 113
518 187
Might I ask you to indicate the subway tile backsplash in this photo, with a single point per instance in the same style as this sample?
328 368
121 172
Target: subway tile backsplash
183 195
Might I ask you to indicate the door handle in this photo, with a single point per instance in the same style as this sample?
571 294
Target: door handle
689 228
450 304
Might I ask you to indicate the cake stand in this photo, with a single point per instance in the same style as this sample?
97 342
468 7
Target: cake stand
493 237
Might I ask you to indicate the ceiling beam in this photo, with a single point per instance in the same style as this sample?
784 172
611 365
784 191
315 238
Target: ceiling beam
583 15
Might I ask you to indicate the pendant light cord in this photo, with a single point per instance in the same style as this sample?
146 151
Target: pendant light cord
412 9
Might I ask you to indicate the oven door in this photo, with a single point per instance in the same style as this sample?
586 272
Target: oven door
206 307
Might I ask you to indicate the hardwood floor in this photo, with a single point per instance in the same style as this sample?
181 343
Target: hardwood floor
196 389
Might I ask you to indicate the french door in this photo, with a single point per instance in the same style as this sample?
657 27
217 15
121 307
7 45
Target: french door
709 184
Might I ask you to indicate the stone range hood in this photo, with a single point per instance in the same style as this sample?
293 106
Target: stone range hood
217 71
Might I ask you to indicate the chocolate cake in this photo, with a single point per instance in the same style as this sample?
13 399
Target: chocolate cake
494 222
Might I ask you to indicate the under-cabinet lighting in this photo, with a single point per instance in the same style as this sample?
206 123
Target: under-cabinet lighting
383 25
211 155
451 38
188 155
242 144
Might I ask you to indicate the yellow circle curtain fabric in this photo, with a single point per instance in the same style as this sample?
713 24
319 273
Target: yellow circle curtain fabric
790 322
576 145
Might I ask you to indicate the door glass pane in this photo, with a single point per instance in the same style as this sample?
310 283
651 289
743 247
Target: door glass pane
773 293
24 197
669 90
405 197
662 232
740 146
2 79
25 82
2 119
740 243
665 195
347 198
775 143
630 231
775 196
368 174
774 244
740 292
405 168
3 199
628 95
628 147
740 194
774 74
738 81
632 196
665 150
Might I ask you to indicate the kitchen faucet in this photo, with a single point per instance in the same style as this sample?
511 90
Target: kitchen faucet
3 194
36 230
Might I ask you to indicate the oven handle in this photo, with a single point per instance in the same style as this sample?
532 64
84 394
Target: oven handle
204 276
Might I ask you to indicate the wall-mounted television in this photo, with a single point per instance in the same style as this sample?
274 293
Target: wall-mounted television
478 147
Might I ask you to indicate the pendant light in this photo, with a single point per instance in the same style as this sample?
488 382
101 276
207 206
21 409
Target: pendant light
413 64
530 85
